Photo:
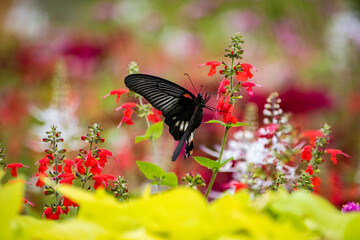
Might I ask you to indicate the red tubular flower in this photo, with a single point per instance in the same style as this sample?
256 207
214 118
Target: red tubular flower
117 92
213 65
68 164
306 153
222 88
28 202
245 74
89 160
101 180
67 178
40 181
312 135
310 170
44 162
249 86
155 116
50 215
316 182
238 185
79 166
333 153
127 113
68 203
14 167
225 110
96 169
103 155
59 168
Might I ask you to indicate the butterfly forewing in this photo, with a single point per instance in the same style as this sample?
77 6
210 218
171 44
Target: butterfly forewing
181 109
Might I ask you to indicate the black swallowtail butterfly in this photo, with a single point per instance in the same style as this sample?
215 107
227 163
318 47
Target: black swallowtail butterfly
183 111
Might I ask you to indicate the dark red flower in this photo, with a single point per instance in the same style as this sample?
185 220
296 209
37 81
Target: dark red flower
103 155
333 153
101 180
245 74
154 116
67 178
14 167
117 92
213 65
306 153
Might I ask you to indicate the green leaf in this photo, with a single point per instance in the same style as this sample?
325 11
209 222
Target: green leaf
155 130
216 121
223 162
150 170
238 124
169 179
141 138
207 162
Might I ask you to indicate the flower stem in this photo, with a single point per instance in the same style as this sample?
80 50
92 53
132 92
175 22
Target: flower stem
215 172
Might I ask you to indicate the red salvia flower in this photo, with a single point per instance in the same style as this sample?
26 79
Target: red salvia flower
28 202
333 153
50 215
306 153
68 203
127 113
245 74
59 168
101 180
103 155
222 88
316 182
44 163
249 86
68 164
312 135
89 160
79 166
14 167
67 178
96 169
238 185
154 116
310 170
213 65
117 92
40 181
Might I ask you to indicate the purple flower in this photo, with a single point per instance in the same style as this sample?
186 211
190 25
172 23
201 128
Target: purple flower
350 207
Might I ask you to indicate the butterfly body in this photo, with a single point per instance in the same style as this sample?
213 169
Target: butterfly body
183 111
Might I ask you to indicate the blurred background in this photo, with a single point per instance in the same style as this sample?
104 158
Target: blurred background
308 51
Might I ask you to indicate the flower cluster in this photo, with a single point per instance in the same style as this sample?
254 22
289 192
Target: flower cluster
228 89
351 207
87 168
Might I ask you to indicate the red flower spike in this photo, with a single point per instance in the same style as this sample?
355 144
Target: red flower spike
213 65
246 73
306 153
14 167
40 183
67 178
127 113
117 92
333 153
249 86
103 155
310 170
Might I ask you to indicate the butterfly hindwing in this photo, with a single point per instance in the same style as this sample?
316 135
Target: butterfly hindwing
181 109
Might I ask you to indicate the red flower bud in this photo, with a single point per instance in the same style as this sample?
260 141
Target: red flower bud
221 71
232 52
98 134
56 134
83 138
103 140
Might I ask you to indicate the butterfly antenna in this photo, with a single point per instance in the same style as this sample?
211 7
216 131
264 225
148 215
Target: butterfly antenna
191 82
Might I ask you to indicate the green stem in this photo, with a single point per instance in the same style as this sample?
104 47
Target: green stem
211 183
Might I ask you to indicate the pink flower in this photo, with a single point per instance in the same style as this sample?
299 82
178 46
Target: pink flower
249 86
333 153
14 167
268 130
213 65
117 92
245 74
